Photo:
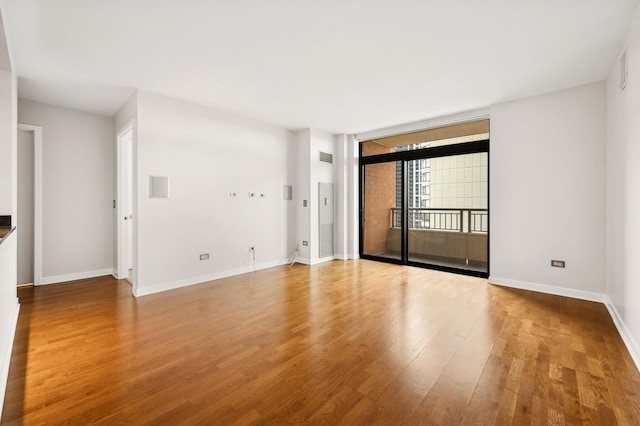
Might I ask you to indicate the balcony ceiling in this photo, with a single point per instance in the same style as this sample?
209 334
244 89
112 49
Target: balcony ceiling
343 66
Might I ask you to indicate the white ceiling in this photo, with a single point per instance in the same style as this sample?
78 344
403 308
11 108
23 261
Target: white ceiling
343 66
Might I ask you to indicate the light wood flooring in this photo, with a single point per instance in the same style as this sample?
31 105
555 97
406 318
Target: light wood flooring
355 342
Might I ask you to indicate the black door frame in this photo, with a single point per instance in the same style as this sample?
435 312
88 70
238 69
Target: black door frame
420 154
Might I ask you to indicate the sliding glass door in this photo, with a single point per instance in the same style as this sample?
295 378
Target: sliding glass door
448 219
381 223
427 205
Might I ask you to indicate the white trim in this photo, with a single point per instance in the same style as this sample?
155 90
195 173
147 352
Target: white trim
630 343
37 200
122 270
171 285
346 257
77 276
6 349
550 289
627 337
310 262
431 123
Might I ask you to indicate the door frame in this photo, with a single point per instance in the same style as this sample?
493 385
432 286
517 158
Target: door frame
122 268
403 157
37 199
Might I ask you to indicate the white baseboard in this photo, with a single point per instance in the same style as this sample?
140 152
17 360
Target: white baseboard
7 348
346 256
627 338
549 289
77 276
157 288
308 261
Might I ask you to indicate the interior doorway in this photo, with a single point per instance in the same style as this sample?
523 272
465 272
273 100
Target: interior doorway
29 212
124 205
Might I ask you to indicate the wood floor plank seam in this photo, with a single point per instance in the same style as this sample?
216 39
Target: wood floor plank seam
344 342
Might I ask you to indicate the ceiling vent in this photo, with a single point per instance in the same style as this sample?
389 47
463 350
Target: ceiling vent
624 71
326 157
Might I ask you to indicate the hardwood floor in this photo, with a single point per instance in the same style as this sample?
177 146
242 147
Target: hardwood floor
354 342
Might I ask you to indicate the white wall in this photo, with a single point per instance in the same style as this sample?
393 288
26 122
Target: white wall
9 306
126 113
547 192
352 182
6 164
311 171
623 192
302 192
321 172
207 155
347 166
77 157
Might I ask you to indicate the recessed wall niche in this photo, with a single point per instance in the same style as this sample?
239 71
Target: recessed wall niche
158 187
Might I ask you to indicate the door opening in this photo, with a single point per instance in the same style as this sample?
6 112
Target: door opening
425 199
29 212
124 205
25 211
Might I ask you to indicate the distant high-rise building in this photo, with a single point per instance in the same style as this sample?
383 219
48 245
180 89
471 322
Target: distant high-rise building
456 182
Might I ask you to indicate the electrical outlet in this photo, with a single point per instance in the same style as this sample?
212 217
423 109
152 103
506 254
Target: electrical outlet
557 263
304 203
252 194
305 243
204 256
233 194
251 248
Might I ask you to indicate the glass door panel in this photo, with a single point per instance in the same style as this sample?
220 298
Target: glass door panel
382 210
447 215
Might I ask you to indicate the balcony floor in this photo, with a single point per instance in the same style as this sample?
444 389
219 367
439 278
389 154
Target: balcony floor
430 260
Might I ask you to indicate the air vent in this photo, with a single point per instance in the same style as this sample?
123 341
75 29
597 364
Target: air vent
326 157
624 72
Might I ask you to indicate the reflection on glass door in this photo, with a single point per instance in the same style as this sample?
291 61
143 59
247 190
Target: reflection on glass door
447 215
382 196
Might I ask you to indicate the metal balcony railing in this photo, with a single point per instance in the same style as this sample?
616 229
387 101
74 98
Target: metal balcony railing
460 220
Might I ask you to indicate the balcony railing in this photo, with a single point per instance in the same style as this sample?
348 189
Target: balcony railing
460 220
